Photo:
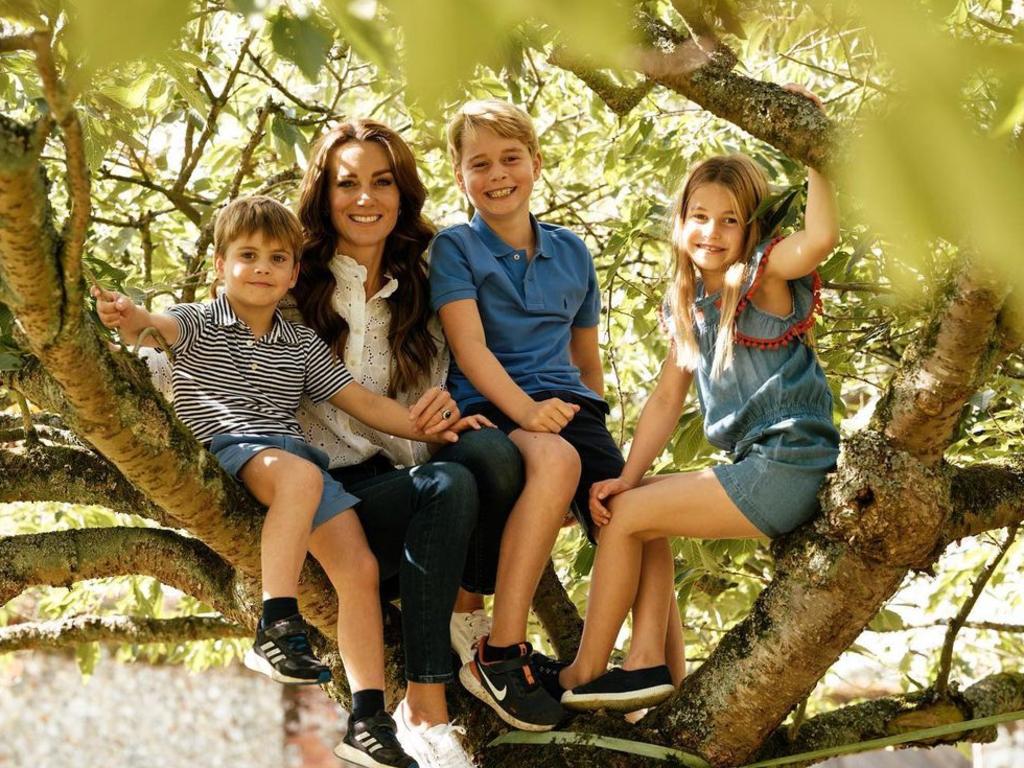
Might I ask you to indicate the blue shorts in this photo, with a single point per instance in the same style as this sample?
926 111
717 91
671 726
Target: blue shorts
234 451
775 478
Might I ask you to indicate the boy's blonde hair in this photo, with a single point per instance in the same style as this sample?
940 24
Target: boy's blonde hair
505 119
258 213
747 185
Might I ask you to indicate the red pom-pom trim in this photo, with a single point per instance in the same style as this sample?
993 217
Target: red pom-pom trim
795 331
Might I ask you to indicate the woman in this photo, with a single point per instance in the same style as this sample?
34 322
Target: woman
437 521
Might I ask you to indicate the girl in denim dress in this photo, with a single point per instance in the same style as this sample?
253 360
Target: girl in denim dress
741 311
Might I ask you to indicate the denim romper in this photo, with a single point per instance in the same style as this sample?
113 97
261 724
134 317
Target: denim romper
771 408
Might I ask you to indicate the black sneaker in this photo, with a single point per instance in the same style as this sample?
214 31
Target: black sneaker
282 653
511 689
547 670
622 690
372 742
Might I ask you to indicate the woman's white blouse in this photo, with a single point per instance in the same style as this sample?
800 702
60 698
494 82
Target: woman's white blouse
345 440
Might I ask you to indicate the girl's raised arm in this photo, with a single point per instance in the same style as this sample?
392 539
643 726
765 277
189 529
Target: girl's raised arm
802 252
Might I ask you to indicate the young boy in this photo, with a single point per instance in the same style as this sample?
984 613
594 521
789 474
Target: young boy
519 303
239 370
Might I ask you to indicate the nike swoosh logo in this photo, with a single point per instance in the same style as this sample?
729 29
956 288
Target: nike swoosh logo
499 695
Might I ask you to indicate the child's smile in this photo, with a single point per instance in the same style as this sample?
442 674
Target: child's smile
497 174
713 231
257 271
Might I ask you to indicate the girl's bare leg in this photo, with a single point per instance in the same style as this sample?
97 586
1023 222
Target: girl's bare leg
690 504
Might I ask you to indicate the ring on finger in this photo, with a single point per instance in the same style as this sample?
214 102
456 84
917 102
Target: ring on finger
446 414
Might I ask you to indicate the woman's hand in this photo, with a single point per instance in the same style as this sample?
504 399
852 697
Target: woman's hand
434 412
602 490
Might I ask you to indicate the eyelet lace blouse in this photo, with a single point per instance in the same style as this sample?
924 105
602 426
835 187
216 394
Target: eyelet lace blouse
344 439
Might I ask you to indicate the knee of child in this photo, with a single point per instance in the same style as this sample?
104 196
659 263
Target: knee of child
556 458
362 567
305 476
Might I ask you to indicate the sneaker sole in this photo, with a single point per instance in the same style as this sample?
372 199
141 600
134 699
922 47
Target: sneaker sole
472 684
617 702
257 663
357 757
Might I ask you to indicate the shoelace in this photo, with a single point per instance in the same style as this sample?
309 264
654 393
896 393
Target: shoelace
477 623
446 751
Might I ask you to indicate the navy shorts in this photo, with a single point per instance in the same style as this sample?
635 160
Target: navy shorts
600 457
776 474
234 451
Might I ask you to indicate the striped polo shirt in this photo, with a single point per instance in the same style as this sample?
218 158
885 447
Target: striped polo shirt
226 381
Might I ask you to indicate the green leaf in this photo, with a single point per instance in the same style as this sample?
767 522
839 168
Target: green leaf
886 620
87 654
111 32
303 41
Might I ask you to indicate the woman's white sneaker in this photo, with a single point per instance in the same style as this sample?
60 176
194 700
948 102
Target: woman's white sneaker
434 746
466 631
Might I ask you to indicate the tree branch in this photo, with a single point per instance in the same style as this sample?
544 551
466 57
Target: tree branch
994 695
192 158
16 43
60 558
75 476
701 70
620 99
78 171
116 629
946 657
557 614
178 199
945 367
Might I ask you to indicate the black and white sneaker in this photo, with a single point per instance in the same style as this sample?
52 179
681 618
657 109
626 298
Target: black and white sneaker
282 653
547 670
622 690
512 690
372 742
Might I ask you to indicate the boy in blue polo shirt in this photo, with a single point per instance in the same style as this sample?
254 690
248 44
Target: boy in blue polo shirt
519 303
239 371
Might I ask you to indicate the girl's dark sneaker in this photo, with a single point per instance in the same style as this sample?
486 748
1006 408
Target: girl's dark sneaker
547 670
512 690
371 742
282 653
622 690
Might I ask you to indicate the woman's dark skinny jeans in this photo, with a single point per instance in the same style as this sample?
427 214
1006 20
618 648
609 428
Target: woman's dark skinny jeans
436 526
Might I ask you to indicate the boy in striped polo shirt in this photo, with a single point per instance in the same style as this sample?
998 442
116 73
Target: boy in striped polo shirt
239 371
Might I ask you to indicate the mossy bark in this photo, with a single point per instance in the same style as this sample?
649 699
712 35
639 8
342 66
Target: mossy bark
60 558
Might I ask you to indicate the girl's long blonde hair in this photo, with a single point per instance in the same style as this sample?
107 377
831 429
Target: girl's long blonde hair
749 187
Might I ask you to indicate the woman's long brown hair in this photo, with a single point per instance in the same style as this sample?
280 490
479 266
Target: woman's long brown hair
413 348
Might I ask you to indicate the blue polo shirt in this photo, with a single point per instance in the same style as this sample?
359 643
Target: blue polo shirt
528 307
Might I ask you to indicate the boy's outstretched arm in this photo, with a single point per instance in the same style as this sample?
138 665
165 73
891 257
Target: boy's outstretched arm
117 311
465 333
390 416
801 253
